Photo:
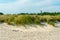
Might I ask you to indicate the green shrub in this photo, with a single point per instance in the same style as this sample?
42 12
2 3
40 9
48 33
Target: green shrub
8 19
1 18
51 23
36 20
23 20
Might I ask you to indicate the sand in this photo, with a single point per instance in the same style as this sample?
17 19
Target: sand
48 32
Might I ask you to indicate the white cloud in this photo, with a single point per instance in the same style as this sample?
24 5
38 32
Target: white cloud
51 9
15 6
26 5
44 2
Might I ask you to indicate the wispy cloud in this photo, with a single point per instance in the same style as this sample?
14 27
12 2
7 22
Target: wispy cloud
30 6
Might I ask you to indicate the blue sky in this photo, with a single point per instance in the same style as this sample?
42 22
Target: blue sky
7 1
30 6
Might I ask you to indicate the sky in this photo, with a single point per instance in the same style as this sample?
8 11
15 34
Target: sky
29 6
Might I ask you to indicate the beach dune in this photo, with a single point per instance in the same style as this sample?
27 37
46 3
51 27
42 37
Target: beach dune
9 32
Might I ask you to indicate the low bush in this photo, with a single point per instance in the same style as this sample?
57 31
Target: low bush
23 20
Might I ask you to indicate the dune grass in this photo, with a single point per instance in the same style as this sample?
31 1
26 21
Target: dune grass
22 19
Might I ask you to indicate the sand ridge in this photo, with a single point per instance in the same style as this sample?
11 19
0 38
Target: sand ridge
9 32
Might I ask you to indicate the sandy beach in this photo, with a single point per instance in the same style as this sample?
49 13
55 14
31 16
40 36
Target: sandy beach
9 32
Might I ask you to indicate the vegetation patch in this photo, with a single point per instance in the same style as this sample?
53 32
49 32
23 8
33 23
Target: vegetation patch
27 18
